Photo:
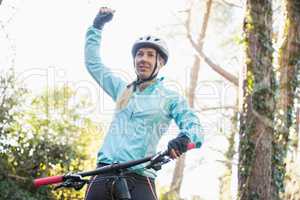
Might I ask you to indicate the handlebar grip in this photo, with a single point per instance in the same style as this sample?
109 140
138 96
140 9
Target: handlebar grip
47 180
191 146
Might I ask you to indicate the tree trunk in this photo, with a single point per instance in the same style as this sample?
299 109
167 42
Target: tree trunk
174 192
225 180
289 65
256 121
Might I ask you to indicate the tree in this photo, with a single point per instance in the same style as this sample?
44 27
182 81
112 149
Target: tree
225 180
197 44
289 66
11 184
10 96
47 136
174 191
256 120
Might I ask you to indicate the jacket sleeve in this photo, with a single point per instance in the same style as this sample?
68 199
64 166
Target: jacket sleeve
111 84
186 120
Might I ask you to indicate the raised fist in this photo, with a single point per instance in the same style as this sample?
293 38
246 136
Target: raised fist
104 15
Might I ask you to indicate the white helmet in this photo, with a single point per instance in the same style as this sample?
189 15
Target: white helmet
153 42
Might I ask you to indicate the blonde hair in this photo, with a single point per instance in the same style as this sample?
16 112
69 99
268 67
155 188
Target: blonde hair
123 100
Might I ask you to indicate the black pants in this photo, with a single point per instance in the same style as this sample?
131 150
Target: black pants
102 187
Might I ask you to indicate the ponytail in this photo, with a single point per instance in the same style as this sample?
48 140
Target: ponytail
123 100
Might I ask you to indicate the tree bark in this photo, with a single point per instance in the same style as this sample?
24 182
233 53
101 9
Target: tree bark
289 65
256 120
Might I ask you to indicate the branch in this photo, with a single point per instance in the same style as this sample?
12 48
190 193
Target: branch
217 108
226 162
226 115
196 66
17 177
229 4
187 24
231 78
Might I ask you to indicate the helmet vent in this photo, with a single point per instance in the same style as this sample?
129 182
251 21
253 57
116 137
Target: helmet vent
151 42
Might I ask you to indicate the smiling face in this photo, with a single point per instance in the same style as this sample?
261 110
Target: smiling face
144 61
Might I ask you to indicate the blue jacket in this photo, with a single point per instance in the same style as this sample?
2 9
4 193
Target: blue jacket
135 130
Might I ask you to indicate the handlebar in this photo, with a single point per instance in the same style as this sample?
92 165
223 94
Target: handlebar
155 162
48 180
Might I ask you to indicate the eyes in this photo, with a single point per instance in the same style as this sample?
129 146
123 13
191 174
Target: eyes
149 54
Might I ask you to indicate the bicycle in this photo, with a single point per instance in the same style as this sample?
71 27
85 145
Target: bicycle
76 180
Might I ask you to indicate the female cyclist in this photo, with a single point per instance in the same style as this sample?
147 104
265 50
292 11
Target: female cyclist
144 111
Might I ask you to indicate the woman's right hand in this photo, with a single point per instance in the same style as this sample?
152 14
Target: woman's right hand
104 15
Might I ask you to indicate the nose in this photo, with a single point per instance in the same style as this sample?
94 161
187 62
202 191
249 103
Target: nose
141 60
142 57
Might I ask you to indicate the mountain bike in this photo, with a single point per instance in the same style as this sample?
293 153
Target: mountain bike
77 181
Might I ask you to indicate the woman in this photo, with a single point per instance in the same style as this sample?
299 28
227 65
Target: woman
144 111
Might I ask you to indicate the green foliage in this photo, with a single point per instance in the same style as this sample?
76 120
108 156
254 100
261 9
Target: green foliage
247 148
10 96
43 136
169 195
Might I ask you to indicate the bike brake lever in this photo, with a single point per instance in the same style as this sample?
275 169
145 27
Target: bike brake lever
79 185
157 161
73 177
72 181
